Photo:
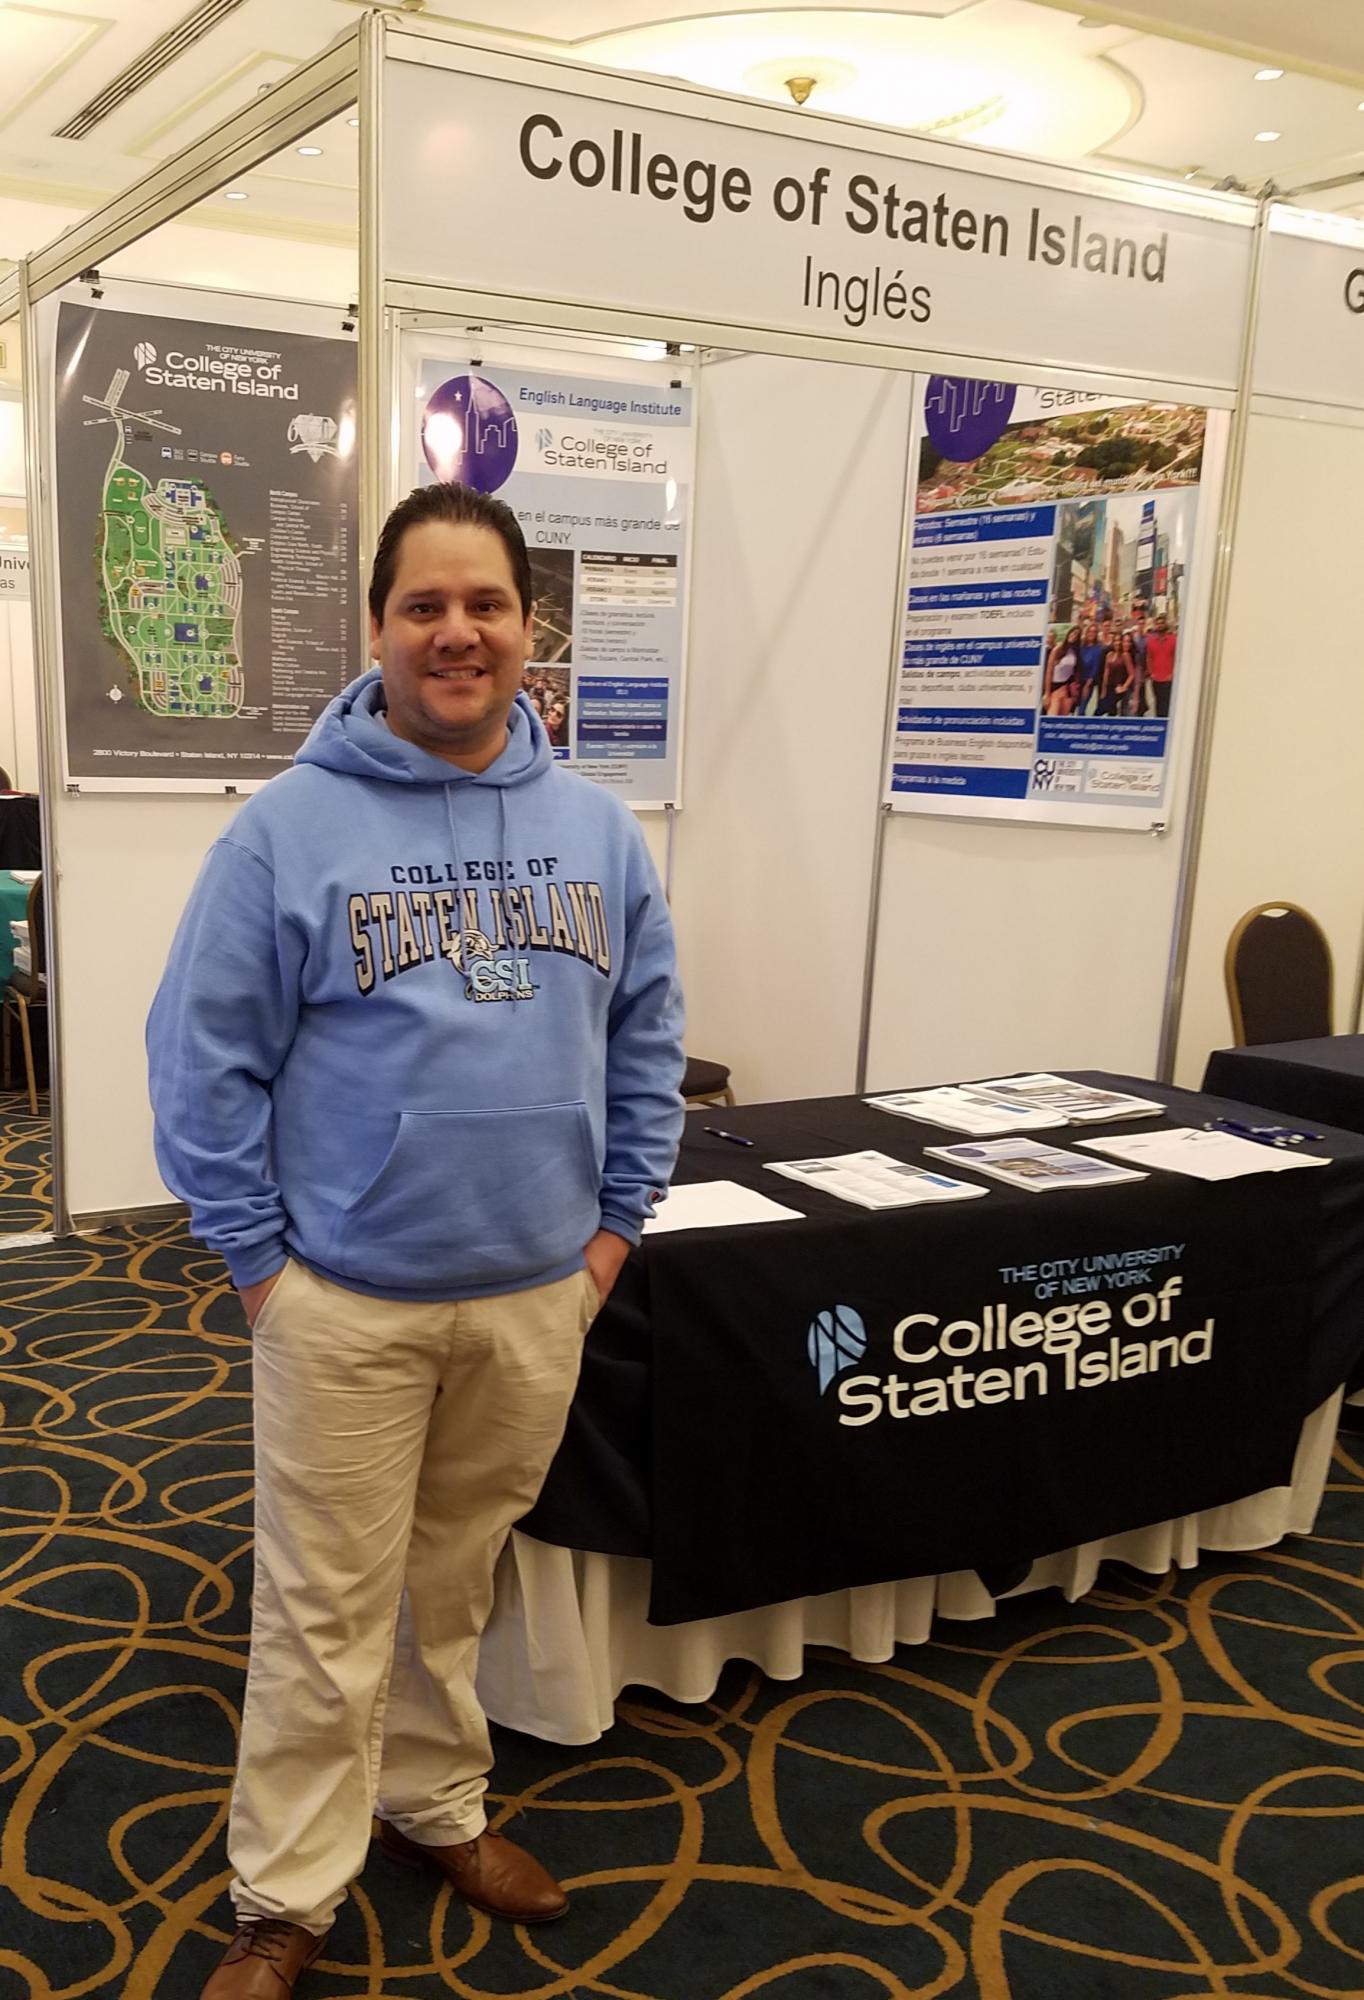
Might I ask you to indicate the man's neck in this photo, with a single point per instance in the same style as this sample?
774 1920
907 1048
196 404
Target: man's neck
468 760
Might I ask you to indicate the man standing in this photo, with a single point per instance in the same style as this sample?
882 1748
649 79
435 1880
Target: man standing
1160 661
415 1064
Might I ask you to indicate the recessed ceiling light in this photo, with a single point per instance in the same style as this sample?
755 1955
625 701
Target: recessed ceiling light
311 152
1267 136
1268 75
235 194
352 121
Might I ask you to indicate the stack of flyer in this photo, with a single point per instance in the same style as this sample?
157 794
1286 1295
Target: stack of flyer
1014 1104
874 1180
1027 1163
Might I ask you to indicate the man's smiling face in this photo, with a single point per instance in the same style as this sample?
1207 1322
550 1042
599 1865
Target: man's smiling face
453 642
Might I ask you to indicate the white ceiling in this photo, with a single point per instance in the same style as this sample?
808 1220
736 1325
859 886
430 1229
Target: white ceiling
1036 75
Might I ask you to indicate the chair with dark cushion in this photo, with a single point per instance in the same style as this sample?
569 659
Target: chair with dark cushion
25 993
1279 976
706 1082
21 843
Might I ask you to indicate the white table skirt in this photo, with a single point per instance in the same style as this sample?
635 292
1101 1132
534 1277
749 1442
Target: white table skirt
569 1630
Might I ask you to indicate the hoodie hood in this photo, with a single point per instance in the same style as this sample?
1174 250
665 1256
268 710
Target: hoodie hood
353 736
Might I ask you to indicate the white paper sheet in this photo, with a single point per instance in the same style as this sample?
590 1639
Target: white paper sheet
1205 1156
716 1205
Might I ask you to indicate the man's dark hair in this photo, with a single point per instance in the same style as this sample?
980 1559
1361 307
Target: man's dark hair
462 507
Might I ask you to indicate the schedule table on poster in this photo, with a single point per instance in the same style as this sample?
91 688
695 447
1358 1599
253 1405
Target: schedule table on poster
769 1413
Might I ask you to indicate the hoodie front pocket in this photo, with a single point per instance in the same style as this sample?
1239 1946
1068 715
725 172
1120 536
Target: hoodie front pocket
473 1198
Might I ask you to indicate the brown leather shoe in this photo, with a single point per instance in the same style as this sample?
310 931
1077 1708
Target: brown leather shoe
263 1961
491 1872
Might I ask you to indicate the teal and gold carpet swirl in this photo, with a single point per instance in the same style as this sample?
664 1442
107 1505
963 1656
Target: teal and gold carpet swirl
25 1165
1156 1794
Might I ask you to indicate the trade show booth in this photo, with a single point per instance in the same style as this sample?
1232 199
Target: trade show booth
829 439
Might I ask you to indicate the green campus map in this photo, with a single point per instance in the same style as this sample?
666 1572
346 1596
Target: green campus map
171 592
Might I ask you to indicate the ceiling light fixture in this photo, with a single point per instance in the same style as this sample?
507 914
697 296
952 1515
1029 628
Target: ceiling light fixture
310 152
1265 137
952 78
235 194
1268 75
352 121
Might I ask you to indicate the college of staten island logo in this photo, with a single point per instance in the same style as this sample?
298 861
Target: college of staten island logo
487 975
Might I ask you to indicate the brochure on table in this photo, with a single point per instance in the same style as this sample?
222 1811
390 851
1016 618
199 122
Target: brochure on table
1050 602
1014 1104
598 470
1027 1163
875 1180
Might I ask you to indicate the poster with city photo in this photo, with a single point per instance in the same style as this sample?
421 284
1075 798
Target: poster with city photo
1049 580
598 472
206 535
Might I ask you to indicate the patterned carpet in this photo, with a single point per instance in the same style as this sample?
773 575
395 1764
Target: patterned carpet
25 1164
1156 1794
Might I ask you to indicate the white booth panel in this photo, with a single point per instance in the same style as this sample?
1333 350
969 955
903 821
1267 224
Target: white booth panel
1285 809
1017 948
126 866
800 484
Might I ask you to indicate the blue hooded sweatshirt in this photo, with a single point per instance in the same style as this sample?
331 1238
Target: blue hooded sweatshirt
420 1027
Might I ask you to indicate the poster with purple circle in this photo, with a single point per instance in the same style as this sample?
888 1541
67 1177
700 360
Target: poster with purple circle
469 433
598 472
1052 589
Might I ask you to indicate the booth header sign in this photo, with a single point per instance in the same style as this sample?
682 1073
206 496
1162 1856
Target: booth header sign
531 193
1310 341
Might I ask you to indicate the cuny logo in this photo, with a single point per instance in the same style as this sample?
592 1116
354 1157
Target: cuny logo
469 433
964 417
144 354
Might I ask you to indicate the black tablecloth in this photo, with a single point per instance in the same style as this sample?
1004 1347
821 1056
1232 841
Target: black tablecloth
720 1428
1319 1079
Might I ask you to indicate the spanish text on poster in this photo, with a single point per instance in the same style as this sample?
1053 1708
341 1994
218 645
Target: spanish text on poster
1052 544
598 472
207 544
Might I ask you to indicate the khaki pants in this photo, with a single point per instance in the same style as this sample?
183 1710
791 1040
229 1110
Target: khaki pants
395 1446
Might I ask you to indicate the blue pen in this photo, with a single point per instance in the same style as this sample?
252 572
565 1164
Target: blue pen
733 1137
1264 1135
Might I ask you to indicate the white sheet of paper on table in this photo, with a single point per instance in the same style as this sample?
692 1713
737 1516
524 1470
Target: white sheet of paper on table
1206 1156
716 1205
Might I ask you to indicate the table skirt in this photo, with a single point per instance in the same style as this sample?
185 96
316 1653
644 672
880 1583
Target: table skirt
569 1629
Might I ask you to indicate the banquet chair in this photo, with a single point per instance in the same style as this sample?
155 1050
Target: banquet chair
25 993
706 1082
1279 976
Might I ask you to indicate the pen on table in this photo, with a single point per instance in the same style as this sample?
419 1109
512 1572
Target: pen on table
733 1137
1272 1135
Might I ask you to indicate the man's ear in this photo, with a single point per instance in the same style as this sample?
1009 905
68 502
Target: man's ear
374 632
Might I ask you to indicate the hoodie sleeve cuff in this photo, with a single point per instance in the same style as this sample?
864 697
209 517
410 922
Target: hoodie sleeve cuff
256 1262
626 1226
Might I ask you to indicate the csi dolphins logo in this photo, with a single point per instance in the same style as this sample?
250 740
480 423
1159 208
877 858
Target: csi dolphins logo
144 354
487 975
837 1338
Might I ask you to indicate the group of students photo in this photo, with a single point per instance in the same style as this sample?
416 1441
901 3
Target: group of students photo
1111 666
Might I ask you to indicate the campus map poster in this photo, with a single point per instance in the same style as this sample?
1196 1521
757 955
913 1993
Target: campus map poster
1049 583
206 531
598 471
